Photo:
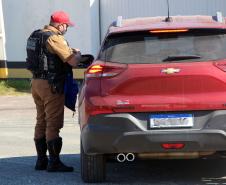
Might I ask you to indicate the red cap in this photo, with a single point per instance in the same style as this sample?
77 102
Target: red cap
61 17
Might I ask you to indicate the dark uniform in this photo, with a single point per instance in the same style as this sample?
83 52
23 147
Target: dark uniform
48 59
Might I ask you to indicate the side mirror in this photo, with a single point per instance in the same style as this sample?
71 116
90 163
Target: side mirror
85 61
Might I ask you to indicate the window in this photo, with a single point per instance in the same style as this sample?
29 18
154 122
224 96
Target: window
145 47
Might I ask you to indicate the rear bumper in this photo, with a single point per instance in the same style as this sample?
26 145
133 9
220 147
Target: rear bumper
109 134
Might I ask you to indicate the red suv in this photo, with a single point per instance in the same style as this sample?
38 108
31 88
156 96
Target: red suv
156 90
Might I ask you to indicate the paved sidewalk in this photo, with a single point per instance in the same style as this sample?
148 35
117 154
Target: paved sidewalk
17 121
17 151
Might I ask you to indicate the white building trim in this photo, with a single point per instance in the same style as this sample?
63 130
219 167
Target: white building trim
2 35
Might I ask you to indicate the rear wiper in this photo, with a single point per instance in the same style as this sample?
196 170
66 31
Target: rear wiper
181 57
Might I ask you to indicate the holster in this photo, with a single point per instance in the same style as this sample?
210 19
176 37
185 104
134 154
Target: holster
56 83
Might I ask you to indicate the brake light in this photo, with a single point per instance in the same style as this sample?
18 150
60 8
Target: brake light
221 65
173 145
169 31
102 70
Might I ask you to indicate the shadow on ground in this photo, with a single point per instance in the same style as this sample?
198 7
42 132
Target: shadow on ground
20 170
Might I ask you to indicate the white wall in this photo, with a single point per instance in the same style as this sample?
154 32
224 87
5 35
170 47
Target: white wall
2 35
110 9
95 26
23 16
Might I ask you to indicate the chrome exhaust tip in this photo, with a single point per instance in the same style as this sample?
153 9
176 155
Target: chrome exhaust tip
121 157
130 157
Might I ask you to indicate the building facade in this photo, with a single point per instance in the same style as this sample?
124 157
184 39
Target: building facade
92 17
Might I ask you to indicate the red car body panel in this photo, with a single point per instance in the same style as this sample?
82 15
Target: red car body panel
144 88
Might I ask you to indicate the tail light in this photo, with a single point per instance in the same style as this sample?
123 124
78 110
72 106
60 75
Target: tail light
221 65
169 31
94 71
173 145
102 70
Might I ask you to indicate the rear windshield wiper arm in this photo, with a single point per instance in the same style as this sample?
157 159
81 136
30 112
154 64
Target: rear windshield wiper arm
181 57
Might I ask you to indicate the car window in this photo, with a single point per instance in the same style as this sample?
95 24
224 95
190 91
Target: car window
144 47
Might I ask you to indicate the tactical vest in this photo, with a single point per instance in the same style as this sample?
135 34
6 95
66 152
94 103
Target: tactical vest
43 64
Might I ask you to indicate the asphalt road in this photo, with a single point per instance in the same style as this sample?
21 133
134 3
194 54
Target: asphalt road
17 156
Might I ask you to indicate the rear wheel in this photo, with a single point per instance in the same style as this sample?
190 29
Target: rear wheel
92 167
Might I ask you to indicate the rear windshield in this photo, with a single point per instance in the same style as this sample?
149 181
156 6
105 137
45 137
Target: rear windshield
145 47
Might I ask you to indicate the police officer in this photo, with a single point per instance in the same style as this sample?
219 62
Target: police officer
55 59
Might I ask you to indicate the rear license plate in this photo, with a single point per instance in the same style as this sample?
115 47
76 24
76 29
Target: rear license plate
171 120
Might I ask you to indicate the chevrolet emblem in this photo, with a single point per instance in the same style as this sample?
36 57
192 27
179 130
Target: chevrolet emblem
170 71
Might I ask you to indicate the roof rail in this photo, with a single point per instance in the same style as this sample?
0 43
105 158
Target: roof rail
119 21
219 17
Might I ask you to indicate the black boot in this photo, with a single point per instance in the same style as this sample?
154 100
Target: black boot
55 164
41 148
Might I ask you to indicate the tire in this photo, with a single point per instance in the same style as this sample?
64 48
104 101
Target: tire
92 167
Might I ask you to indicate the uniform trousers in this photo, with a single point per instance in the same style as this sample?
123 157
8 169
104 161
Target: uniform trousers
50 110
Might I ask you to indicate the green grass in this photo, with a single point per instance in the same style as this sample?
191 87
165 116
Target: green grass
14 87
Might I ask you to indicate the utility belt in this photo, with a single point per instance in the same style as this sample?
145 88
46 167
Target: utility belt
56 82
40 76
